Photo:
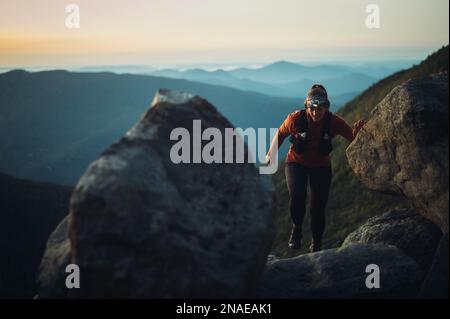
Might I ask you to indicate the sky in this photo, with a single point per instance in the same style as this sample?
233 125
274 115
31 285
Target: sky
157 32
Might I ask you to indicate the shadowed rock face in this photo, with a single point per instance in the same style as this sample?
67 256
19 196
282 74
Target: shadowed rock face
56 257
406 229
341 273
142 226
403 148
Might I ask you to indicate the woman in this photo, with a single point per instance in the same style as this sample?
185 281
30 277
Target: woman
311 131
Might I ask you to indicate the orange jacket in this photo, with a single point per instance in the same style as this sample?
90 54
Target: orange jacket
312 158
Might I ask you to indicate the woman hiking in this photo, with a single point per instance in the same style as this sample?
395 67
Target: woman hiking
311 131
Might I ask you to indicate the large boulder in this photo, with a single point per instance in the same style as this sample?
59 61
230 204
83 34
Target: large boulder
435 284
145 227
406 229
403 148
341 273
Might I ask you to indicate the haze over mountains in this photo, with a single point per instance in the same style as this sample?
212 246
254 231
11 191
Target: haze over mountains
283 78
280 78
55 120
289 79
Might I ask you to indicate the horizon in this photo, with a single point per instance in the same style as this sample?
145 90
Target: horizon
211 67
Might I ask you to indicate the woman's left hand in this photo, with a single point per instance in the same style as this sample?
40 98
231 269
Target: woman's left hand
358 125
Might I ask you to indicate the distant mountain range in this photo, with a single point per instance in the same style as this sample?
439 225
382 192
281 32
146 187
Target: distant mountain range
282 78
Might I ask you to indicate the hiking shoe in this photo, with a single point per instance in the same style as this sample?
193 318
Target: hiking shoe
315 246
296 238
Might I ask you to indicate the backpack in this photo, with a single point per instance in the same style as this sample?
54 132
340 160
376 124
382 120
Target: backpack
300 139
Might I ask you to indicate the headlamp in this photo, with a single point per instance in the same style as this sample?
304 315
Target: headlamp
317 101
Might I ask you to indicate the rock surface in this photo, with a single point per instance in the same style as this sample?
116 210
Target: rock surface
409 231
403 148
145 227
341 273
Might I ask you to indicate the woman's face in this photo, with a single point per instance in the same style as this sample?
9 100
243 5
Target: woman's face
316 113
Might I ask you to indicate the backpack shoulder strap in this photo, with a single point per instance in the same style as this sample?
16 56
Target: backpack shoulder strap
301 122
327 124
326 146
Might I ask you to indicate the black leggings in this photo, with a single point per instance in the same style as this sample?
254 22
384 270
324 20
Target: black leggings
319 182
